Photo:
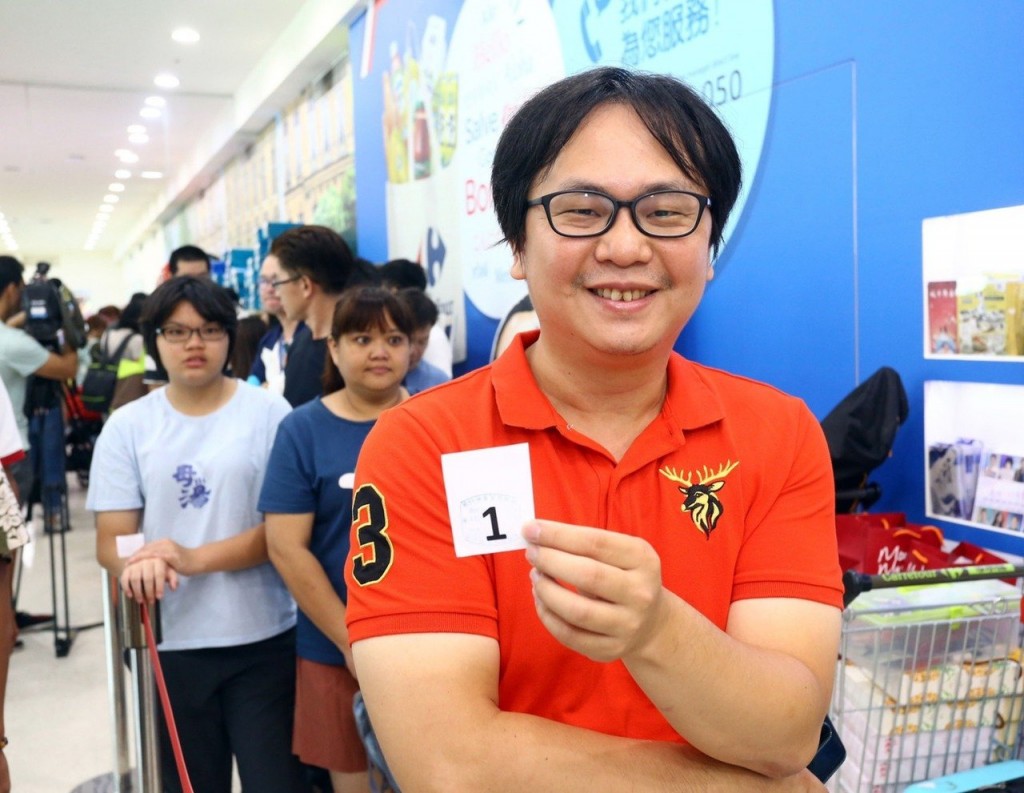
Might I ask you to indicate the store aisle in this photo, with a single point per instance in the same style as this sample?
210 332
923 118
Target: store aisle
57 714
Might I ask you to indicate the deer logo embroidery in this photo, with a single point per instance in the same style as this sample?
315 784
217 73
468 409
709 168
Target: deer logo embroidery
699 497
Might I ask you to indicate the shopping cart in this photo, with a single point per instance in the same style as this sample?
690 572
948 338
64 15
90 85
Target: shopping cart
929 680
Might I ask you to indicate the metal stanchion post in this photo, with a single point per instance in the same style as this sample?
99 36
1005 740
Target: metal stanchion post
115 683
147 742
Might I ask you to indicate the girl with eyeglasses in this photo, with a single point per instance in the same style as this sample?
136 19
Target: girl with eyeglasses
307 498
182 466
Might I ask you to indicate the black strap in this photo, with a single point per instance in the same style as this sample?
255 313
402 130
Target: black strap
107 360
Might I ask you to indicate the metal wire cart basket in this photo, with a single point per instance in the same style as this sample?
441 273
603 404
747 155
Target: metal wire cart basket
929 681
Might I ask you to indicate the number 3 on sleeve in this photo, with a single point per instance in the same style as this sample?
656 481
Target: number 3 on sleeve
376 553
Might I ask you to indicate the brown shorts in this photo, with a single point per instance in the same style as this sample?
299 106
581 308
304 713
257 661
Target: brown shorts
325 733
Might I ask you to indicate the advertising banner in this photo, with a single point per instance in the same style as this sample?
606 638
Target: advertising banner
437 81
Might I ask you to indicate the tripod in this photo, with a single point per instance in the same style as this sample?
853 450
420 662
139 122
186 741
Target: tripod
48 450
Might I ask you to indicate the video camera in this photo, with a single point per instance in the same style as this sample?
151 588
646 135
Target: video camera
52 315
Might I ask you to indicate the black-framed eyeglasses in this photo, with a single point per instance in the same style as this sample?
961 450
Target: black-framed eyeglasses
280 281
179 334
586 213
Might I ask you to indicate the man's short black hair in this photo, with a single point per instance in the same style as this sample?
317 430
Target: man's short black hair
423 309
188 253
11 272
402 273
677 116
209 300
320 254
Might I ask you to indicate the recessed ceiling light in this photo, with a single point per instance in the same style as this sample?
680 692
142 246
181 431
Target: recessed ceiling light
115 187
166 80
126 155
106 208
155 101
138 137
110 198
185 35
150 112
152 175
122 173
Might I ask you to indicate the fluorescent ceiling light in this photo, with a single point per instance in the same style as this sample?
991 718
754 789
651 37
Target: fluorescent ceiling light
150 112
106 208
185 35
152 175
115 187
126 156
166 80
122 173
110 198
155 101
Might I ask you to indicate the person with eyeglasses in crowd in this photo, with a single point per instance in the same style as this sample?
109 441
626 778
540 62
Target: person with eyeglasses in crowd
182 466
184 260
269 366
316 266
674 621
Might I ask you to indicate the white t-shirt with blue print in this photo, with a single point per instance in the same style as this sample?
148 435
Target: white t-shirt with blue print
197 479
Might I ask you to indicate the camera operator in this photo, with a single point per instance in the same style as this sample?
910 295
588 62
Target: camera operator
22 356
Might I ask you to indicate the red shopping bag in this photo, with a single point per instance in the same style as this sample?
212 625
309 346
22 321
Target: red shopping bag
885 543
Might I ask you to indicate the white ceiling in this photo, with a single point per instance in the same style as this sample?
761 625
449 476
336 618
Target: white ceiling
74 75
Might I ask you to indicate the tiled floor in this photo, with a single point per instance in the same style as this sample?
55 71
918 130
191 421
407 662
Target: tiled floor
58 716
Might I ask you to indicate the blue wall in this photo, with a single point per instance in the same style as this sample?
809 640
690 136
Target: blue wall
918 107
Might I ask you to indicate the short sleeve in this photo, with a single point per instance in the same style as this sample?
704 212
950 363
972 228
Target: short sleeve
403 575
114 477
288 482
25 355
10 440
790 548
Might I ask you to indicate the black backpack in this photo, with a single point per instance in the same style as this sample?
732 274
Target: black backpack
101 377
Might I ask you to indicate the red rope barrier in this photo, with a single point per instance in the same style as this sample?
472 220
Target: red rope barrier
165 702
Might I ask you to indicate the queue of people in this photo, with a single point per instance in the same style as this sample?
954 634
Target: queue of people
306 532
252 681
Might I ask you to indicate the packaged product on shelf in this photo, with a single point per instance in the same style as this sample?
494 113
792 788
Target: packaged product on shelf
953 477
988 315
942 317
999 501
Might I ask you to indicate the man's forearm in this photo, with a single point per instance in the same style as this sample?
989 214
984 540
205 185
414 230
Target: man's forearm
740 703
519 752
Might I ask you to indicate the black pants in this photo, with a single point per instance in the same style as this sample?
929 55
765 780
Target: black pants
236 701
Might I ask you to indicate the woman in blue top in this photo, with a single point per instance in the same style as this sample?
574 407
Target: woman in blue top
307 499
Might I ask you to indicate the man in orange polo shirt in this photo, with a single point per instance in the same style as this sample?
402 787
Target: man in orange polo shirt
674 621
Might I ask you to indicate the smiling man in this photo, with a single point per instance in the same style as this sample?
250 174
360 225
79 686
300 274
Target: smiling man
674 621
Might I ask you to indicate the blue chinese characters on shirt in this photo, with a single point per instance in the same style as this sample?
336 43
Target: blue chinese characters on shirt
193 489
